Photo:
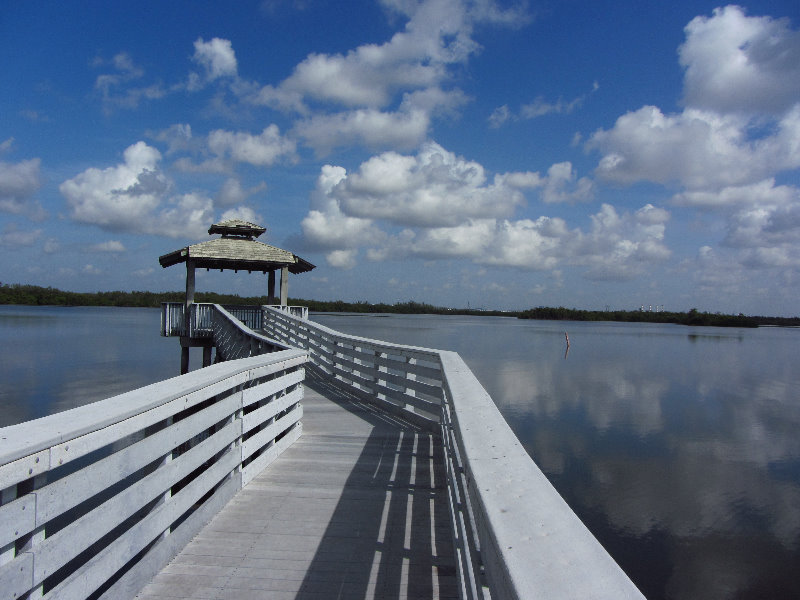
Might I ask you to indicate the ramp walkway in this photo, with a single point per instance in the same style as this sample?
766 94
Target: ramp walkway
355 508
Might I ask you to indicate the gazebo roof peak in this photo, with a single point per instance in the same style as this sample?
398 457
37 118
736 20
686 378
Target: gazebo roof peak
237 228
236 250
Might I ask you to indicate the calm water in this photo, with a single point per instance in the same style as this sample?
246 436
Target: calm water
677 446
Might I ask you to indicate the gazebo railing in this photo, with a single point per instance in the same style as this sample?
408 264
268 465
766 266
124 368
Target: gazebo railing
251 316
201 323
173 321
301 312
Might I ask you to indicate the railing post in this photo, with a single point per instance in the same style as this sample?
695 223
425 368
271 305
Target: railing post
8 551
31 541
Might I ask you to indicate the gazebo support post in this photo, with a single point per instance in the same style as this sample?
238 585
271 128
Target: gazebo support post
187 316
184 360
284 286
271 287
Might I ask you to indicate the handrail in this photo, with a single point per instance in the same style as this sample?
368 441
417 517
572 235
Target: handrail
95 500
515 537
234 338
296 311
404 380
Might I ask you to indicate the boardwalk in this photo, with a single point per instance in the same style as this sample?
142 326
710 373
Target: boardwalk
356 508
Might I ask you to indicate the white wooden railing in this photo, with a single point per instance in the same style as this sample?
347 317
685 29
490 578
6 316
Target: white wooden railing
200 323
296 311
515 537
95 500
235 339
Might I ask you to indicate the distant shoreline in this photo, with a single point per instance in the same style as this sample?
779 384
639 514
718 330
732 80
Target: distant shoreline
33 295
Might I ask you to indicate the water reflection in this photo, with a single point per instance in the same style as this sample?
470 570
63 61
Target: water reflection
56 358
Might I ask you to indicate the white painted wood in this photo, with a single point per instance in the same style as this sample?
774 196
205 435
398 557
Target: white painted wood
84 580
162 552
553 554
17 518
294 363
16 577
271 454
270 432
33 436
65 493
15 471
69 451
269 388
262 415
59 549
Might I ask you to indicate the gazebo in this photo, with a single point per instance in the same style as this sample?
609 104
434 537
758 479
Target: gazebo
236 250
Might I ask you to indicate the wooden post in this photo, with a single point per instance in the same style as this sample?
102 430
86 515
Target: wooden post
187 306
284 286
184 360
271 288
187 316
206 356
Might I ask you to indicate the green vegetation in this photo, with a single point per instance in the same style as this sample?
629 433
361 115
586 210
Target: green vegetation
36 295
692 317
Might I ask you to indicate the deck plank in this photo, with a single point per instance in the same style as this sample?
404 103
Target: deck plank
356 508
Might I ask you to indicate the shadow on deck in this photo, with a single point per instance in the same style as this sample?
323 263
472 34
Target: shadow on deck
356 508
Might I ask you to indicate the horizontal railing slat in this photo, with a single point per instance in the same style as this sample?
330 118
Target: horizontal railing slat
270 432
73 489
56 551
70 450
269 388
102 566
33 436
268 411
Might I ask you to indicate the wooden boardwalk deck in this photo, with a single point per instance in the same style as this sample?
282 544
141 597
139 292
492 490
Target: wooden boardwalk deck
356 508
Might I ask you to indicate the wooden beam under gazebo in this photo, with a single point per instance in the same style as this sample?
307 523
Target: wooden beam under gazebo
236 250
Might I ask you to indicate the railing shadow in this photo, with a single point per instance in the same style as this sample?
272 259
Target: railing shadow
389 536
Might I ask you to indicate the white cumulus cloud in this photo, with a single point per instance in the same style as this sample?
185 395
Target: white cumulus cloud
433 188
698 149
264 149
133 196
449 208
217 59
120 197
326 226
737 63
366 127
622 246
19 183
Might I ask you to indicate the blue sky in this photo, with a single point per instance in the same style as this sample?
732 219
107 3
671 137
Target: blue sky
458 152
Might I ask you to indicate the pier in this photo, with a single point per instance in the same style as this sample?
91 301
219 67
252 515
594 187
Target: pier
304 463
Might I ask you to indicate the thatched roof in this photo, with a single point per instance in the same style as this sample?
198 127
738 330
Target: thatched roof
237 250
